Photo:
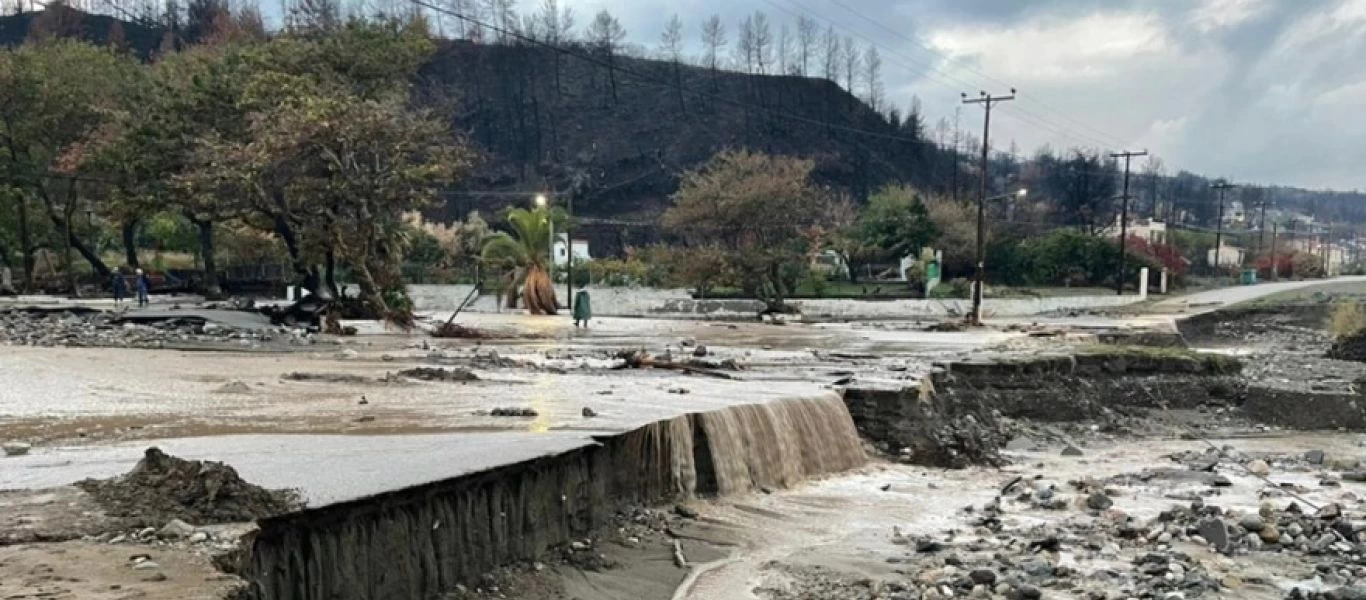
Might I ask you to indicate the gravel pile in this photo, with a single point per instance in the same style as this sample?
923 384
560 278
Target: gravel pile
99 329
162 487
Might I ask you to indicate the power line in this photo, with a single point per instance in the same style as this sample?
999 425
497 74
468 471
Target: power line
929 71
931 50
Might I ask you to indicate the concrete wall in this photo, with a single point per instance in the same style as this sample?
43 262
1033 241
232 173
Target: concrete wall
422 541
677 303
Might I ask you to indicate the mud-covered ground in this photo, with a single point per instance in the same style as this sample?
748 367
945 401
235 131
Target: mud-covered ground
1129 517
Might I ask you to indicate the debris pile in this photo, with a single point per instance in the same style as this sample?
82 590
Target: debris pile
162 487
436 374
1351 347
98 329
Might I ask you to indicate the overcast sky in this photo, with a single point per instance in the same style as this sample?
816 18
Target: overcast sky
1259 91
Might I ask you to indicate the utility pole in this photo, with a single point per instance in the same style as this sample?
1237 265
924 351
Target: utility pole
1327 249
1261 223
1275 265
569 248
1219 232
986 100
1124 219
957 110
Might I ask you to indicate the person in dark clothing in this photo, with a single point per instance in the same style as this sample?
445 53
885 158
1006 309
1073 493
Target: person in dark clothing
120 287
143 284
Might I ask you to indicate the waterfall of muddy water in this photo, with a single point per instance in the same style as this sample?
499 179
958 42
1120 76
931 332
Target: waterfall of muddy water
776 444
421 541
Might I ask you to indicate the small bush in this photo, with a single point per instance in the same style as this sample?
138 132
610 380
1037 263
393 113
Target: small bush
1348 318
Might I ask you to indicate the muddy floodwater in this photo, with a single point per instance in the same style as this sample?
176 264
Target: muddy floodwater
748 421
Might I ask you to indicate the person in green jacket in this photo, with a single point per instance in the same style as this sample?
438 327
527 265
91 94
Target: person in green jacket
583 308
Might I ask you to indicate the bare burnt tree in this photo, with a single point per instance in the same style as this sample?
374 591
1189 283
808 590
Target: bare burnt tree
807 43
763 43
744 45
872 78
787 65
606 34
713 42
671 49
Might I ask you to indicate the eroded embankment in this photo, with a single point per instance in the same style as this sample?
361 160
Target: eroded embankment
421 541
954 417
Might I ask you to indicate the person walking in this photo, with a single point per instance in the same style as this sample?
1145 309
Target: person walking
142 289
120 287
583 308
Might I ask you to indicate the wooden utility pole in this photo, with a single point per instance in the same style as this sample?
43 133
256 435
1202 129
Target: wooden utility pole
987 101
1124 220
1219 232
1326 239
1275 265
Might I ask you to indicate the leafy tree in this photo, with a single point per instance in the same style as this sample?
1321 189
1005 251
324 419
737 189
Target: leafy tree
525 253
895 223
345 170
55 99
759 209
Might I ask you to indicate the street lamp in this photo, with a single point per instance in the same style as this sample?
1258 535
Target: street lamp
1020 193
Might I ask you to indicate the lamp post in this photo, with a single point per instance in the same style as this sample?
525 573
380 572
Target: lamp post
541 202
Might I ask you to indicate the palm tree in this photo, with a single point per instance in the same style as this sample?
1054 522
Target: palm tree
526 255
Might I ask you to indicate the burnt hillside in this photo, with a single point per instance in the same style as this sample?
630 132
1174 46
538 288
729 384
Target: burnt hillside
620 154
63 21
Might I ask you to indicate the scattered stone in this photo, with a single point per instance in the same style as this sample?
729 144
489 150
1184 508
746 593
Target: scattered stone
1071 450
1315 457
1330 511
1252 523
155 578
928 546
236 386
588 412
679 390
1215 531
514 412
199 537
983 576
1099 501
175 529
1259 468
685 511
1270 534
145 565
434 374
700 351
1038 567
16 448
1221 480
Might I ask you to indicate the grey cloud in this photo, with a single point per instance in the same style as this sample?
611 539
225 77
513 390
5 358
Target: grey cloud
1224 99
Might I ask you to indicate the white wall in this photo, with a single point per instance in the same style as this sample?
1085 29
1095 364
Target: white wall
677 303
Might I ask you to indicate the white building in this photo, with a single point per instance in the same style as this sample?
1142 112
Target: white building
1229 256
580 250
1154 231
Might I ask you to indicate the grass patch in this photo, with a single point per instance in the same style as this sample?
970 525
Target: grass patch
1348 318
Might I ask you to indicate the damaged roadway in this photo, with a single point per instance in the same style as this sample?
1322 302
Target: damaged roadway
91 413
